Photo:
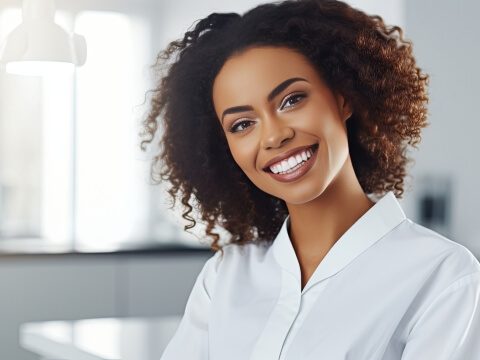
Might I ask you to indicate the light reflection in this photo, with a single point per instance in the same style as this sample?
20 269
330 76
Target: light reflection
107 338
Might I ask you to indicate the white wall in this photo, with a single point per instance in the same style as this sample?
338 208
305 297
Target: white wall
177 16
446 44
392 12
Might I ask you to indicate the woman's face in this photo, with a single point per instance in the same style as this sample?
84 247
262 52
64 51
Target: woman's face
270 101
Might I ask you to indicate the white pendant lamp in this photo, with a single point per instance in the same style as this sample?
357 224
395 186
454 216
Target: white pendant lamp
39 45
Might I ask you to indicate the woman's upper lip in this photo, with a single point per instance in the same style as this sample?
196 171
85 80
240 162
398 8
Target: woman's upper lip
285 155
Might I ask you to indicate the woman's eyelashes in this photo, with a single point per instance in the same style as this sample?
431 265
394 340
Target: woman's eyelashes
237 124
288 102
292 97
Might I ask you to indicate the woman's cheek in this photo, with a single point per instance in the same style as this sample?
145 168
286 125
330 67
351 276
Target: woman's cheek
240 155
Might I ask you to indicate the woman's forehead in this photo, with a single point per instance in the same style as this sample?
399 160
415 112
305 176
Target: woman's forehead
270 62
257 70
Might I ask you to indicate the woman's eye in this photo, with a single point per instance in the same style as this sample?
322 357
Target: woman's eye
241 124
292 100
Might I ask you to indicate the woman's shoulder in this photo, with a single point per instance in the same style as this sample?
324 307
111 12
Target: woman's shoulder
233 261
235 256
429 247
253 252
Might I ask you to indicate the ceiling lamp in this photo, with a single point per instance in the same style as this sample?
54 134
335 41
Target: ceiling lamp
39 45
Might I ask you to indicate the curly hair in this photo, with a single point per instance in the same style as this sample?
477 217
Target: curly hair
357 55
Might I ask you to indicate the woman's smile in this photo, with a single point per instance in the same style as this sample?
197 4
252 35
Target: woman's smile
293 167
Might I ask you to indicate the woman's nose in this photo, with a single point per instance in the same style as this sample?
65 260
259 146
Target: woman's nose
274 132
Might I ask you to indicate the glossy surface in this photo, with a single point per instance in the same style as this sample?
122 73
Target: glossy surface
93 339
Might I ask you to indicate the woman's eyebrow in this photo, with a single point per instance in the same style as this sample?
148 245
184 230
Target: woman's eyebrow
282 86
277 90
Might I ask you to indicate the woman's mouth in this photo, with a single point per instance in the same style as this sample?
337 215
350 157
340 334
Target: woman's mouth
295 167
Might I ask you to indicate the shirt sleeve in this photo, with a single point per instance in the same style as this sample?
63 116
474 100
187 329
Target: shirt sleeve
190 340
449 329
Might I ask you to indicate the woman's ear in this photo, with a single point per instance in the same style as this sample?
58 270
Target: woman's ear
344 107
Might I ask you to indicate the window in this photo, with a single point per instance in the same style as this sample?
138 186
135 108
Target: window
71 169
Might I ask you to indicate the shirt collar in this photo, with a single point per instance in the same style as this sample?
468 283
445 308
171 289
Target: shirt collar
380 219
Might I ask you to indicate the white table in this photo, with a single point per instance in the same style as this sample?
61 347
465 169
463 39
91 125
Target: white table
99 339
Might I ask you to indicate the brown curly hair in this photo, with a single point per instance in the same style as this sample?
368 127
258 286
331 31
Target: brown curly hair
357 55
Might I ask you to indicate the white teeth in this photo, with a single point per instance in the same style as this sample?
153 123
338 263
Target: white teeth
291 162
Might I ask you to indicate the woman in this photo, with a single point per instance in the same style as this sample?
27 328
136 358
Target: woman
288 127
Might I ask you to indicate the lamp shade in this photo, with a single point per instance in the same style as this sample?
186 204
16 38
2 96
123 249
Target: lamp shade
39 39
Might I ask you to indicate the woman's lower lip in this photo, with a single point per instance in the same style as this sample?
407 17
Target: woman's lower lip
298 173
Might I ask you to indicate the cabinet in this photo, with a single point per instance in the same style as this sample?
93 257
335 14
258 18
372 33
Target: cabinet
82 286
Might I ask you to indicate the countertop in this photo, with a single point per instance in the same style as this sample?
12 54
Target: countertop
99 339
39 247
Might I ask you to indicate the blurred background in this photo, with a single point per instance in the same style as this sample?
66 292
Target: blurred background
79 216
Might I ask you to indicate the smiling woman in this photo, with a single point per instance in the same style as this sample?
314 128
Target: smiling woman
289 126
299 114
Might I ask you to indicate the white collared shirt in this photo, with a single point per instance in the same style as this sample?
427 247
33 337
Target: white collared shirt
388 289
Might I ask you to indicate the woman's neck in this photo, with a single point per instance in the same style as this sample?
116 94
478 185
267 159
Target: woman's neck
317 225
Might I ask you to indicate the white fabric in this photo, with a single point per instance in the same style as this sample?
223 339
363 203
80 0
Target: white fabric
388 289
